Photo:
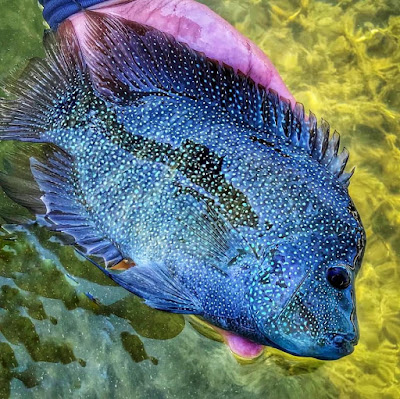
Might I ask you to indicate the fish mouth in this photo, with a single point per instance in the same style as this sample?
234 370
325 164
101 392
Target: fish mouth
340 338
329 346
336 352
327 352
335 345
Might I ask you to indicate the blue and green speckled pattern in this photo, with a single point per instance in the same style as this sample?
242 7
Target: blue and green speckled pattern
231 205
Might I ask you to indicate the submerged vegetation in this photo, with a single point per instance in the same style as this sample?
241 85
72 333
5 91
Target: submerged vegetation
66 330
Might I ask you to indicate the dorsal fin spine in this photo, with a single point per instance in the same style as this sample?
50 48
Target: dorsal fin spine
345 177
312 131
117 73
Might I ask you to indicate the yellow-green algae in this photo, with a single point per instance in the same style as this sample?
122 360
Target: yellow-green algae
341 60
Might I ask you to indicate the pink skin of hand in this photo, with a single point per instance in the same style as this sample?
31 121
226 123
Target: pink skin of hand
241 346
203 30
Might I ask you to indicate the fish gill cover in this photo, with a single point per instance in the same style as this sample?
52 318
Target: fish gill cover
311 381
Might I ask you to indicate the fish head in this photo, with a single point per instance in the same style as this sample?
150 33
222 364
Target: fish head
303 299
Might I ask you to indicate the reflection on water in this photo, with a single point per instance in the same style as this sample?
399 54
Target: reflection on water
67 331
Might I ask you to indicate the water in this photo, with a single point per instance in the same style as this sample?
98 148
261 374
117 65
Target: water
341 59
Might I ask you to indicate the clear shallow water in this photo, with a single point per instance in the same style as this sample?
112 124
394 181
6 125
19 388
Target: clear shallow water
341 59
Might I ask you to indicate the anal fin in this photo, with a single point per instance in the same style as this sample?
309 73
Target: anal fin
156 286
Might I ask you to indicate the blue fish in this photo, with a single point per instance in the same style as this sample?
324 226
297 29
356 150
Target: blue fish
230 204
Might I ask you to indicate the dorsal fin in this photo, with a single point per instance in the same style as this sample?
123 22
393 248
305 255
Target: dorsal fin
130 60
127 61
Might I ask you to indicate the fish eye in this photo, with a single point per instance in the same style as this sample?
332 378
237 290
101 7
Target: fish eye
338 277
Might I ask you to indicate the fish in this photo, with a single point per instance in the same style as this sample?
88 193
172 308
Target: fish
231 203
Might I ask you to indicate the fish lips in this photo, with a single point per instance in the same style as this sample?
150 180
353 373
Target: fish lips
331 351
333 346
336 345
329 346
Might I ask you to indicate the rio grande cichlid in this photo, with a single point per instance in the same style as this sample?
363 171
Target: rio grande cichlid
227 201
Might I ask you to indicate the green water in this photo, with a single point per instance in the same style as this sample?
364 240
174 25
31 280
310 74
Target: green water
341 59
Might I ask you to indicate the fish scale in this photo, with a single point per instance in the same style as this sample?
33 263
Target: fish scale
231 204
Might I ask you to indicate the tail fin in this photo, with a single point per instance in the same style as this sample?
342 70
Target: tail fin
36 99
